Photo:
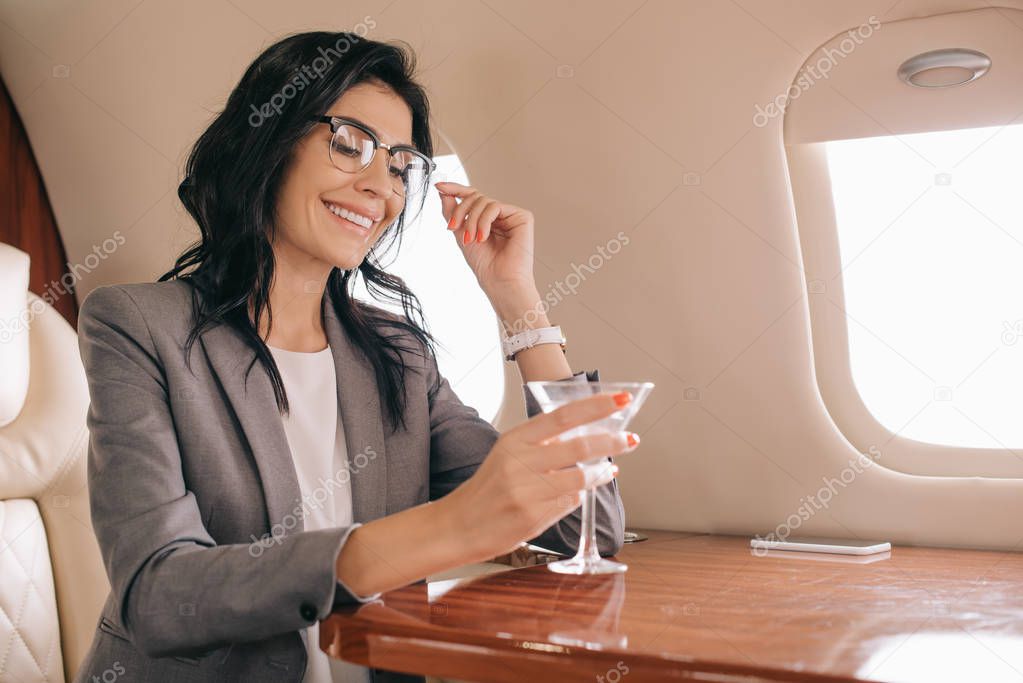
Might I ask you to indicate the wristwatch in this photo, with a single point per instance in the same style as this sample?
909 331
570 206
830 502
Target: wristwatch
530 338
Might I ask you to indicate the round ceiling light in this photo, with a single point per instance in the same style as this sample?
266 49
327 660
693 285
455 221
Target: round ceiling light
944 68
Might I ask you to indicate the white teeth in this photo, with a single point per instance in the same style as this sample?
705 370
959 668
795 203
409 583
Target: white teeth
358 219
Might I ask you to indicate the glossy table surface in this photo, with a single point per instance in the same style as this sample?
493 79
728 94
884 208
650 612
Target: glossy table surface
709 608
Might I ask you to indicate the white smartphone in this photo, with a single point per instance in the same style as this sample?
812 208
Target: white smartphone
836 546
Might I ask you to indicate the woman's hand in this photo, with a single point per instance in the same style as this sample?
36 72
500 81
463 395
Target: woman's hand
496 239
530 480
527 483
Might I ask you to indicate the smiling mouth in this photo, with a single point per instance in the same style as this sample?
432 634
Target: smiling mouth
348 219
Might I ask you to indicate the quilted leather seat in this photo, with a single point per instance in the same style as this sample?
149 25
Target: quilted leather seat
52 582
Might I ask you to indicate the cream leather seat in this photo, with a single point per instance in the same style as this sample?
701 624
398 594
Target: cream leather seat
52 582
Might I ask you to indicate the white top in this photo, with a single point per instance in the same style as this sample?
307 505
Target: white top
317 441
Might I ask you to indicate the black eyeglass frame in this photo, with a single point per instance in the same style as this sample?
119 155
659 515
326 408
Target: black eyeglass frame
336 121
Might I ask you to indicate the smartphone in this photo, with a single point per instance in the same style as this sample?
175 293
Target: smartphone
836 546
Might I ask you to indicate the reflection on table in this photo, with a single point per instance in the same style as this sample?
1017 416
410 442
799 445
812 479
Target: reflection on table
706 606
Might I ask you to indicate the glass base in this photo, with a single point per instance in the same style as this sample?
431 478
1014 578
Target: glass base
586 566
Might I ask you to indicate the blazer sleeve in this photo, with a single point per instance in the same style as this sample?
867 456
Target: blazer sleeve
176 590
460 440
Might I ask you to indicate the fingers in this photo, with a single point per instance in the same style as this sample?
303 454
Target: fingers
486 220
473 215
454 189
539 428
457 217
574 479
452 197
582 449
448 204
473 229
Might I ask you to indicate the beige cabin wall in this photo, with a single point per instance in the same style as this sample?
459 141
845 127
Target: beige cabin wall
614 122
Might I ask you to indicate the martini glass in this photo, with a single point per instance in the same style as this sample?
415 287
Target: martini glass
551 396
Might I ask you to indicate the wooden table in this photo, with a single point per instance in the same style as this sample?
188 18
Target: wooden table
707 608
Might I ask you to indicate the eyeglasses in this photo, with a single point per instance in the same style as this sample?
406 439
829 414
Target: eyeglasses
353 147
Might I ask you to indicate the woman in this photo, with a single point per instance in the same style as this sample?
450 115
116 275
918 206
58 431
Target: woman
262 446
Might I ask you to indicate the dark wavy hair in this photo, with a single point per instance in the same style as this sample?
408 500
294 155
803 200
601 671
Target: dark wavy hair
231 183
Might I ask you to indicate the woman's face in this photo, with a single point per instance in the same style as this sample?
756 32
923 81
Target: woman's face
308 233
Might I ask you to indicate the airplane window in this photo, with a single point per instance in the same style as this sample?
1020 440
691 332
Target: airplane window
456 310
930 230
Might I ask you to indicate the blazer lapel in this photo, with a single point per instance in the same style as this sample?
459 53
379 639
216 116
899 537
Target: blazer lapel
362 419
253 402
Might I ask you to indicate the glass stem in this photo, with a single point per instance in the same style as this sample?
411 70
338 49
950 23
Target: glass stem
588 528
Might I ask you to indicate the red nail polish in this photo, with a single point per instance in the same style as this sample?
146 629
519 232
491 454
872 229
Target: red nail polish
451 223
633 439
465 237
622 398
479 237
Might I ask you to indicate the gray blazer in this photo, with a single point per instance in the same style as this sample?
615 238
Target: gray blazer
196 504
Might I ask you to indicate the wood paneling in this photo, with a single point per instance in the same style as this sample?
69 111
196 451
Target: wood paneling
26 219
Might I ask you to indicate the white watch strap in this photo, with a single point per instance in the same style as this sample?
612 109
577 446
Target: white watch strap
530 338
